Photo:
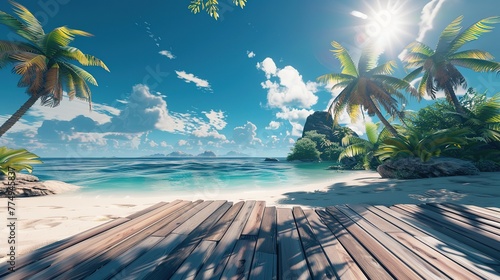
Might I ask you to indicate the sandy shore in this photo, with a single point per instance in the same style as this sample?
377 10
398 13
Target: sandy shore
43 220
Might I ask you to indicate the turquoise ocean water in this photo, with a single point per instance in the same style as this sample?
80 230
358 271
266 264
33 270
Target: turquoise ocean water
147 175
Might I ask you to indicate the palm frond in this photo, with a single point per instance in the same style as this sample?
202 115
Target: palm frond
335 78
418 47
31 23
448 35
473 32
80 73
84 59
347 65
60 37
477 54
477 65
384 69
16 26
369 59
240 3
17 159
412 76
339 103
29 61
371 132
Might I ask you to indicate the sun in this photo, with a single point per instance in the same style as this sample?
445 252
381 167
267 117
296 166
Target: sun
385 23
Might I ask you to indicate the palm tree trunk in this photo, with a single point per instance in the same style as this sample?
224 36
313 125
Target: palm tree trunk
18 114
454 99
389 127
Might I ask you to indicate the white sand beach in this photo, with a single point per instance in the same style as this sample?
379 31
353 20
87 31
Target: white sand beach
46 219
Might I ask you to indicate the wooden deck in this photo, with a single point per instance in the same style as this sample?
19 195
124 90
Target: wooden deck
247 240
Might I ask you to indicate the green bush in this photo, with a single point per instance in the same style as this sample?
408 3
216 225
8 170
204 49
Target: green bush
304 150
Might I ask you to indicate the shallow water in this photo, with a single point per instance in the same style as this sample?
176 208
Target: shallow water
145 175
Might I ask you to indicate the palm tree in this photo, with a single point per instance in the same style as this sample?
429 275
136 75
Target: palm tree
367 87
44 62
358 146
439 66
211 6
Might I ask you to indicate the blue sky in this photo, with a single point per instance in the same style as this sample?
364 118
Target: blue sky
245 83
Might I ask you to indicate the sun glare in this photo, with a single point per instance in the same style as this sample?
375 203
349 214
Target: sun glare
385 22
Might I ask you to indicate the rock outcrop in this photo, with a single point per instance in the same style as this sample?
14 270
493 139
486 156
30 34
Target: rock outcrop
414 168
29 185
322 122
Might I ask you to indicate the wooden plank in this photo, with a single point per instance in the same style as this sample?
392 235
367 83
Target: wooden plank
473 210
195 261
424 231
292 263
86 250
462 258
252 226
151 208
216 263
199 216
264 265
319 265
218 231
238 265
370 266
168 267
447 266
470 219
100 260
395 257
345 267
472 232
192 216
146 263
448 229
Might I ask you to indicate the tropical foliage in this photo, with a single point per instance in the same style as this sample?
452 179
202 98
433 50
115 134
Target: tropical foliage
44 62
356 146
211 6
366 87
304 150
18 160
413 143
439 66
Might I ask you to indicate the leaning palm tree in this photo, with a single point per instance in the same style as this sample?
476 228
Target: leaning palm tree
367 87
44 62
439 66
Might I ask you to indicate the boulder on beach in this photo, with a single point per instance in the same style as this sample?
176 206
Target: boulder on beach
28 185
414 168
271 159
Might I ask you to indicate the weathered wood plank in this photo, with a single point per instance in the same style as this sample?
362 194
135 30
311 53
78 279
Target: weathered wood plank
168 267
147 262
463 235
319 265
264 264
292 263
252 226
151 208
345 267
370 266
238 265
470 219
192 216
486 238
423 230
218 231
447 266
100 260
472 212
190 267
85 251
395 257
216 263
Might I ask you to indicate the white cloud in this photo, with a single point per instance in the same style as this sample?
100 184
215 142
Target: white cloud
246 135
190 78
182 143
163 144
429 13
206 131
153 144
268 66
294 114
144 112
273 125
291 90
168 54
216 119
297 128
250 54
